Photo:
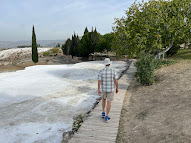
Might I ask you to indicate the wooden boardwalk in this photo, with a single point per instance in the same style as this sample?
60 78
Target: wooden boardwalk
95 129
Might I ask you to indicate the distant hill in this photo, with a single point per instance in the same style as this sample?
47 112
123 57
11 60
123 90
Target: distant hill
44 43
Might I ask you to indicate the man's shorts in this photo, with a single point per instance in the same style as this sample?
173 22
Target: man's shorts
108 95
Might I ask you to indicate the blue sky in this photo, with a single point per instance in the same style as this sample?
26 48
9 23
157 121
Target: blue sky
57 19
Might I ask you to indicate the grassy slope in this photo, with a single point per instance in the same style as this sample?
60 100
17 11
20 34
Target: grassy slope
184 54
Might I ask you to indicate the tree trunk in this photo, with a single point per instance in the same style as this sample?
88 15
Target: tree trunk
163 52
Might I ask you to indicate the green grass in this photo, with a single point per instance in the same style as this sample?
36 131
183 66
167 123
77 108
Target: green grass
160 63
184 54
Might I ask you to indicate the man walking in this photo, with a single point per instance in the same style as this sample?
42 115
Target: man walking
107 79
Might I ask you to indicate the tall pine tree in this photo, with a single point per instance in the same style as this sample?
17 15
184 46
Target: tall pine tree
71 50
66 46
86 30
94 39
77 45
34 47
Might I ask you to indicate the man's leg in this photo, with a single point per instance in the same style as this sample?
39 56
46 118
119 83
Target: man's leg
103 104
108 107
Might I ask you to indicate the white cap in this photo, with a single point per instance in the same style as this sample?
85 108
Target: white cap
107 61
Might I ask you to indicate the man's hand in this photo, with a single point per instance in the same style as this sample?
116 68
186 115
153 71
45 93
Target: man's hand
116 83
99 92
116 90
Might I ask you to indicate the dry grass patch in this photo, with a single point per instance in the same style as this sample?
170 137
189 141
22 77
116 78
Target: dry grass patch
159 113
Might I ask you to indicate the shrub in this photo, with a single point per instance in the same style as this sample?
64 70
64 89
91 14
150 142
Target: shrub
46 53
159 63
146 65
55 50
145 69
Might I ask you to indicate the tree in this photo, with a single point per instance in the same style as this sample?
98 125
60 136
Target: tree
84 46
66 46
108 38
154 27
58 45
94 39
86 30
101 45
77 46
71 50
74 49
34 47
88 43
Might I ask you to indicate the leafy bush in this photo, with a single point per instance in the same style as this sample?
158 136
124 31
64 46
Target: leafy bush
146 65
54 50
46 53
145 69
159 63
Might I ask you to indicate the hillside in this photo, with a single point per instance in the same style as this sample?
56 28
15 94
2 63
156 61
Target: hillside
44 43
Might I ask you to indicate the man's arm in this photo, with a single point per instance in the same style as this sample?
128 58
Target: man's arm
99 84
116 83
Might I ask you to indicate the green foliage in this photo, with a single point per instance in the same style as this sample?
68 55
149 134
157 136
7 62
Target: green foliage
146 66
145 69
34 47
66 46
160 63
77 123
84 48
108 38
88 43
86 30
46 53
183 54
153 26
101 45
91 42
54 50
73 51
105 43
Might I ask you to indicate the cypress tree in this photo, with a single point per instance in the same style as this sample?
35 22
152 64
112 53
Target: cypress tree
86 30
71 51
74 44
84 47
95 31
94 39
66 46
77 45
34 47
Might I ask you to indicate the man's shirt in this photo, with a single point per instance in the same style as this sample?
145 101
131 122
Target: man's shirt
107 76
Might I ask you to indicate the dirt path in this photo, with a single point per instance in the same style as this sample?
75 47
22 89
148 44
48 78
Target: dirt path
159 113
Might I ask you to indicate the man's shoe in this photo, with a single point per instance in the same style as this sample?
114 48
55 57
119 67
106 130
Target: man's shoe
103 114
107 118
